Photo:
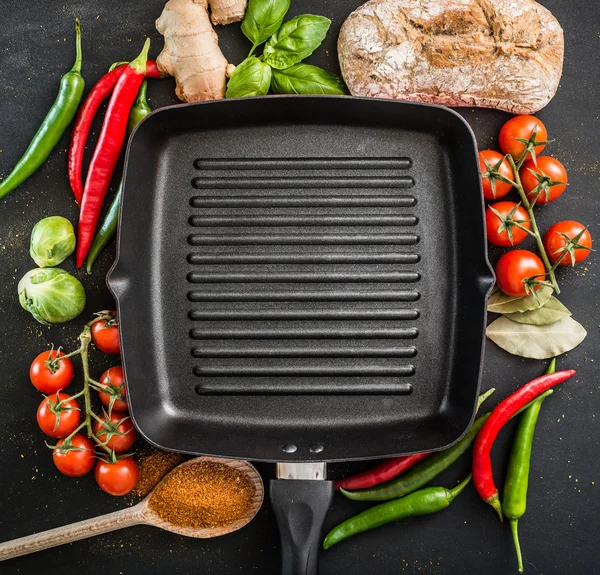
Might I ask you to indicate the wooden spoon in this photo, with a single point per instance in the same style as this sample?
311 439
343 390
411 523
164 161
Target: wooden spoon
140 514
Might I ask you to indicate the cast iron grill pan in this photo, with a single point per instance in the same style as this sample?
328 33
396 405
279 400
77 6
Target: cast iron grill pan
302 278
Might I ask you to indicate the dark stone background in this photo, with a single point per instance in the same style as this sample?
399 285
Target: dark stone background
559 531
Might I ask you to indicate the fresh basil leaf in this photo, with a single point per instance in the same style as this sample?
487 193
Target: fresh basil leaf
263 18
536 341
297 39
251 78
550 312
306 79
499 302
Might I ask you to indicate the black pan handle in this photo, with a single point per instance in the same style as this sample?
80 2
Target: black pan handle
300 508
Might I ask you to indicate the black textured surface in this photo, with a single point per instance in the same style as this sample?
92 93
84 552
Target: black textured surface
559 531
224 285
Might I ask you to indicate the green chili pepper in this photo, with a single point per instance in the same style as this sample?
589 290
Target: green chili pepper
425 471
140 108
421 473
108 228
517 475
54 125
422 502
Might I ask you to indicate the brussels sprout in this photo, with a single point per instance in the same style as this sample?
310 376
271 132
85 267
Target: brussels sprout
51 295
52 241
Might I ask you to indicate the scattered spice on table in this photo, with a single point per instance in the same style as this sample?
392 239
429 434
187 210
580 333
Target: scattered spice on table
203 494
154 465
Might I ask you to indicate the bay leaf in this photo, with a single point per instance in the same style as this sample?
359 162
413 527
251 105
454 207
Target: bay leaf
550 312
499 302
536 341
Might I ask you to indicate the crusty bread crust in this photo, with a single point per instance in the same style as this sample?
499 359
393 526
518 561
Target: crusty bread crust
505 54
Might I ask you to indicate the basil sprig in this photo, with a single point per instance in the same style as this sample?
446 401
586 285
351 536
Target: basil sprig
295 40
306 79
251 78
263 18
287 44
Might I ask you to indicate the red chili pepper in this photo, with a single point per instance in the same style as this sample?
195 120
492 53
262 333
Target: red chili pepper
101 90
391 468
385 471
108 149
482 465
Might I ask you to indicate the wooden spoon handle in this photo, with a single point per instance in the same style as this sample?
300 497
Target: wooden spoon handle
68 533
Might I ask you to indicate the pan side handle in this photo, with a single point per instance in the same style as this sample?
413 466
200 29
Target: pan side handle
300 508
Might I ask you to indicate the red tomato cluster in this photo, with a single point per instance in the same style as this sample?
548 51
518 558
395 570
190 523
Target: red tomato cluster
106 335
516 266
112 381
49 374
547 167
116 431
543 179
59 416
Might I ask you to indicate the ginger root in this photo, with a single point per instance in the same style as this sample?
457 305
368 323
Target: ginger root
227 11
191 53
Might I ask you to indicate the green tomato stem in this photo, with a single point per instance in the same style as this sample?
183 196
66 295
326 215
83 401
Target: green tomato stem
98 419
560 259
78 394
85 338
535 230
520 162
522 227
67 355
69 437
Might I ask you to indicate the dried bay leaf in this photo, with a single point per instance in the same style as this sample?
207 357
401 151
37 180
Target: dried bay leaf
536 341
499 302
550 312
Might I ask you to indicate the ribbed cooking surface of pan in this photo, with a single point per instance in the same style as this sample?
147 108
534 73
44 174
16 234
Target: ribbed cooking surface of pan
255 230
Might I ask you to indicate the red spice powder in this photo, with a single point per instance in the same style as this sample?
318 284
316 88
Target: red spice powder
203 494
153 466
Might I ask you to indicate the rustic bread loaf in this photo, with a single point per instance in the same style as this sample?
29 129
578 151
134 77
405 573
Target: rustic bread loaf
504 54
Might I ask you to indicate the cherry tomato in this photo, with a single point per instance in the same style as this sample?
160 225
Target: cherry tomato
502 188
513 267
493 223
68 416
112 381
554 242
119 443
75 463
117 478
106 335
549 169
521 127
48 374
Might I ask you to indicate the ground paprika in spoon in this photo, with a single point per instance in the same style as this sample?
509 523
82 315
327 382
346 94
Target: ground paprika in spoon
203 494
